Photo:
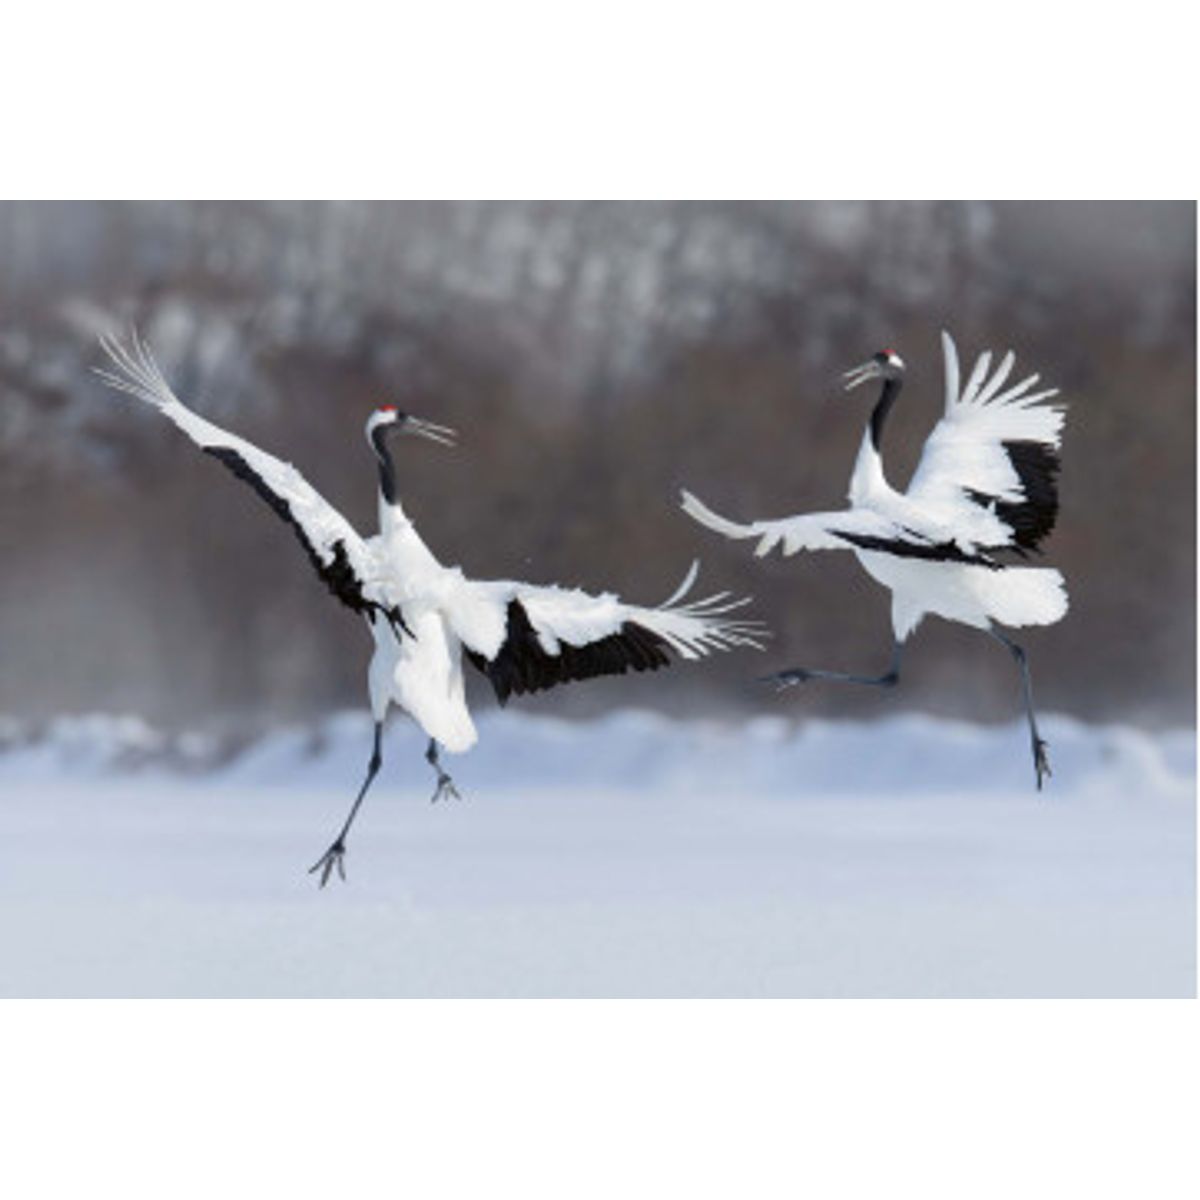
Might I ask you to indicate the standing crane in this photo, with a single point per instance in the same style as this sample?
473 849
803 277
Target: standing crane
423 616
986 484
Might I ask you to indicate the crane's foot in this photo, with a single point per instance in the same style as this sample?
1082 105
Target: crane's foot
1041 760
445 787
334 859
782 680
797 675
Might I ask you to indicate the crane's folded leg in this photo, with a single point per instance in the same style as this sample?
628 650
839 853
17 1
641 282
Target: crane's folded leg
445 785
333 858
1041 761
797 675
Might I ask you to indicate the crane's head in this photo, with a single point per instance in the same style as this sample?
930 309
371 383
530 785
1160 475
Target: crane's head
389 420
887 364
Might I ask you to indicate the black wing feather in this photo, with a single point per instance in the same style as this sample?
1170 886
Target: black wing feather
930 551
337 575
1037 466
521 665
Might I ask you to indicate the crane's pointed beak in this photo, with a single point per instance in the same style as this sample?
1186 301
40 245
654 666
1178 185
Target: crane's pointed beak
860 374
442 434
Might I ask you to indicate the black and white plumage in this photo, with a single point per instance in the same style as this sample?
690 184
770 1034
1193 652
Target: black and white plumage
424 617
984 493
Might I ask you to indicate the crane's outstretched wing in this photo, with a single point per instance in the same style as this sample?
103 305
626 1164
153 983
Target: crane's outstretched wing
849 529
993 450
527 638
337 553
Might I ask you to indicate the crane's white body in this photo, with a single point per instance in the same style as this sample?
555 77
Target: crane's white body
965 455
970 595
422 674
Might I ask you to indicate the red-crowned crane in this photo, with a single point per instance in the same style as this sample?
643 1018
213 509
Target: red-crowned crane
423 616
986 484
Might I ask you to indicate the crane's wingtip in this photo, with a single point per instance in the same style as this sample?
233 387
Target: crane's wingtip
686 586
131 368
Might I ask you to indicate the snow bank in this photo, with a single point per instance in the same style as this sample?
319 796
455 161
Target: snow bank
639 752
634 856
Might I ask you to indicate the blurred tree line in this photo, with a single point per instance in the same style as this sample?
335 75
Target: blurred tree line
595 357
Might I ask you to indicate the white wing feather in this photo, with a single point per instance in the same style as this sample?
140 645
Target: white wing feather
808 531
966 452
323 527
477 612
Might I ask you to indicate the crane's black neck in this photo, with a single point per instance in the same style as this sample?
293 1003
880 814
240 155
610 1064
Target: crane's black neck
387 469
883 406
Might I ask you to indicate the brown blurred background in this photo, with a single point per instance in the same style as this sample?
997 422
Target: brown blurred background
595 357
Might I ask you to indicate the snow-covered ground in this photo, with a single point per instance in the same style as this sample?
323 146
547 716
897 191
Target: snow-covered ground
633 856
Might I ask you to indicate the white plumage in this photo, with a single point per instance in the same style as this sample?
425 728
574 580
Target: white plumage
425 617
985 489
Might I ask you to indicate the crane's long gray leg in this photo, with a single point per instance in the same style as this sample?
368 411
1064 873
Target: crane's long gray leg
797 675
445 785
1041 761
333 858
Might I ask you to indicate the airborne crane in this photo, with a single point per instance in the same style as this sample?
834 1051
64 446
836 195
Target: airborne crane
986 487
425 617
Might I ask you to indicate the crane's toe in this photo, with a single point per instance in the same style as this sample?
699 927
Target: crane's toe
1041 761
445 787
333 859
782 680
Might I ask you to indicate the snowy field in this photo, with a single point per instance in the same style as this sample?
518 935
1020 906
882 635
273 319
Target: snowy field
629 857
